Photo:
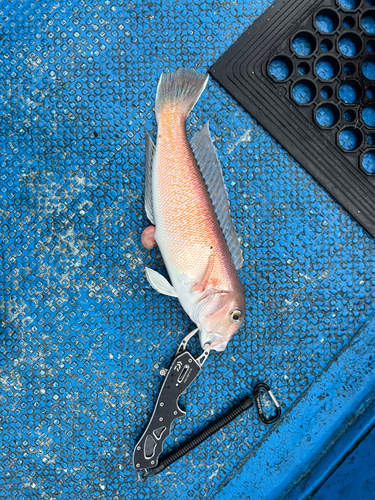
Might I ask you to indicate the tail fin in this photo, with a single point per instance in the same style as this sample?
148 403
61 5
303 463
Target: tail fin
180 89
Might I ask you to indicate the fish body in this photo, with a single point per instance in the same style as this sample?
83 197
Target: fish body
187 229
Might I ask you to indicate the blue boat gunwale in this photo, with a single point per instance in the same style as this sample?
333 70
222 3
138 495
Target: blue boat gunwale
303 449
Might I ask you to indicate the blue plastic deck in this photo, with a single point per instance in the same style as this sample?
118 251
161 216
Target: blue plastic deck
355 478
339 452
84 335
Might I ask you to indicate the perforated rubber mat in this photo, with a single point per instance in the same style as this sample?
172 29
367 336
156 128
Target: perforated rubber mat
306 71
83 335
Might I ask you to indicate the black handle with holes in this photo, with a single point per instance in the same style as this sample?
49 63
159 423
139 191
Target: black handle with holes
181 374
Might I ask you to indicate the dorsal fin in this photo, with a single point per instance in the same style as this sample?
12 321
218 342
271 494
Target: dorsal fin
208 162
150 149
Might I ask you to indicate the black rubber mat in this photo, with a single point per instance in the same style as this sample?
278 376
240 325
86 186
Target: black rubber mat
306 71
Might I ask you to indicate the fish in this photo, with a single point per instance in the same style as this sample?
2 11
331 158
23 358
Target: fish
187 204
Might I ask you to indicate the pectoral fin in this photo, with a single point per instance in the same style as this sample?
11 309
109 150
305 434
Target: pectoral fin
201 286
159 283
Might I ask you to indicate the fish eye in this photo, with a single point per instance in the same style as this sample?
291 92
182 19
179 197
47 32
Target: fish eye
236 316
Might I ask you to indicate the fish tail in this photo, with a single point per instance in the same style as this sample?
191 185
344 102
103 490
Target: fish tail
179 90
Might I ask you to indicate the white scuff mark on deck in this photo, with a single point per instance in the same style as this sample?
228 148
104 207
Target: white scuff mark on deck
81 181
217 471
69 239
293 301
162 340
245 137
16 312
33 61
308 278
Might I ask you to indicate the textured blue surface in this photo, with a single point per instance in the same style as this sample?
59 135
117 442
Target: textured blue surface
83 334
355 478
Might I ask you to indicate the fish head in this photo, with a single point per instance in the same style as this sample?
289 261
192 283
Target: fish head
219 316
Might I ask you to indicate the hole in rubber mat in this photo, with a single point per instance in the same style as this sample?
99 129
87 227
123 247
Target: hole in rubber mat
327 115
326 92
368 68
370 92
370 3
349 4
303 68
326 45
304 44
368 22
368 116
349 69
370 46
370 139
350 44
349 115
327 68
348 22
350 138
304 91
326 21
280 68
368 161
350 91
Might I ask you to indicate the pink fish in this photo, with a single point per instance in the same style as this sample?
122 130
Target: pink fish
187 201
